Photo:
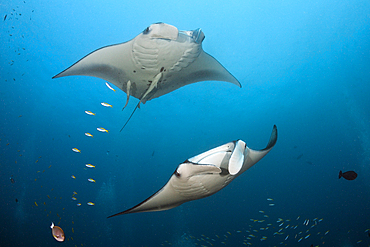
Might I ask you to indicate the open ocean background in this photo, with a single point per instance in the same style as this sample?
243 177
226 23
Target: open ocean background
303 65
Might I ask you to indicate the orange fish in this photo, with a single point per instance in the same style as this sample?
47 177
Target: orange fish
57 232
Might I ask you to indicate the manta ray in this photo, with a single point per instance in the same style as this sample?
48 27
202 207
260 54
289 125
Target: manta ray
204 175
158 61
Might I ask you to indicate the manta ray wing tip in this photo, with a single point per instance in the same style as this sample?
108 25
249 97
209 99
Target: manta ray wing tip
237 83
115 215
56 76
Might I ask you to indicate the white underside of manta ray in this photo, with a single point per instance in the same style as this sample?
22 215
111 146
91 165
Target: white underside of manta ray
158 61
203 175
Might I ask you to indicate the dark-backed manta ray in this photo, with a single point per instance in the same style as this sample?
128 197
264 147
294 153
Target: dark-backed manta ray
158 61
204 175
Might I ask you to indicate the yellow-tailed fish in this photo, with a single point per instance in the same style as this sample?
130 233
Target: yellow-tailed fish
90 166
102 130
73 177
74 193
74 198
76 150
78 204
90 113
88 134
106 104
109 86
36 204
90 203
270 199
271 204
91 180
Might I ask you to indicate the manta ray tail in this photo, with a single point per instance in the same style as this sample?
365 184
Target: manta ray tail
130 116
151 87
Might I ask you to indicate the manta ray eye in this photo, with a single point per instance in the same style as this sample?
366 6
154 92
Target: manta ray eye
147 30
177 174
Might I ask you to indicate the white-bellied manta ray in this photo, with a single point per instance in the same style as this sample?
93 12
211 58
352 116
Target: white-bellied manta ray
204 175
158 61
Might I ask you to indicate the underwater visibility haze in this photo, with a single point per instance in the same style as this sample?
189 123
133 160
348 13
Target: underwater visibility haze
65 166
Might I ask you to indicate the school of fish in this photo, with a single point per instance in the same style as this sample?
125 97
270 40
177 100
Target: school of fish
266 230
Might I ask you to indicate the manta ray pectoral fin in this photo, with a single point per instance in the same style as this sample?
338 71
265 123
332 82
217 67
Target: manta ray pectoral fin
253 156
165 198
128 87
207 68
237 157
151 87
106 63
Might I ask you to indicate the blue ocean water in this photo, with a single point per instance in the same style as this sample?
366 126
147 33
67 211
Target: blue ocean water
303 65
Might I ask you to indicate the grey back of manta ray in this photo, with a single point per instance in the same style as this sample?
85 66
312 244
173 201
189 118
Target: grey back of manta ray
173 58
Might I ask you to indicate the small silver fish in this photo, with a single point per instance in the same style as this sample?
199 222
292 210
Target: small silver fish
102 130
106 104
109 86
90 113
